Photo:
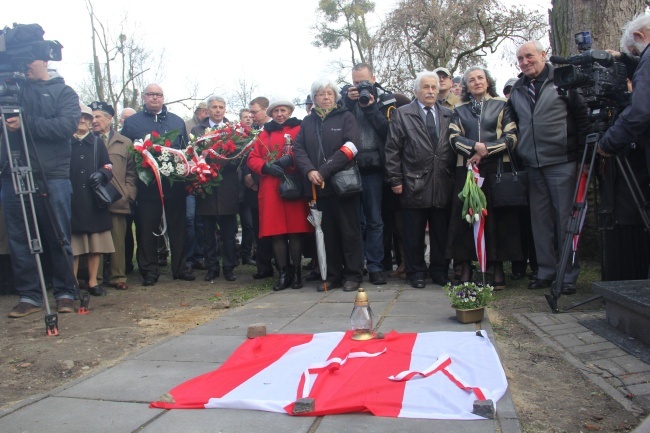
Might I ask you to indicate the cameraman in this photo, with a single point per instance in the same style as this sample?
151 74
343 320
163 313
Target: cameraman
370 103
51 114
633 124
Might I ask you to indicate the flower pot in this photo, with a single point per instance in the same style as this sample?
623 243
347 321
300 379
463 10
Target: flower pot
472 315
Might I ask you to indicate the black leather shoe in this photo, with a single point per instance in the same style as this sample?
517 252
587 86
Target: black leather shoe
539 284
417 283
441 281
377 278
211 275
149 281
262 275
229 275
200 265
351 286
516 276
330 286
568 289
185 276
97 291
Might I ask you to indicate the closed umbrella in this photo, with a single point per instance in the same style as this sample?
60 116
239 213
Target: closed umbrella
315 217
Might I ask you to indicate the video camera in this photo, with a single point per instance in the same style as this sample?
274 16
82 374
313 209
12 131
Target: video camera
19 46
601 80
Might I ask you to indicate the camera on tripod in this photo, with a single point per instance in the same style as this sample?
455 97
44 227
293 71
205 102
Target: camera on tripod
601 80
19 46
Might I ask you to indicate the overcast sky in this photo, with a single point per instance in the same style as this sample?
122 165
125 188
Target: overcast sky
268 43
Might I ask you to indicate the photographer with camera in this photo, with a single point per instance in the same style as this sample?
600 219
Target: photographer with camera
633 123
550 153
51 115
370 104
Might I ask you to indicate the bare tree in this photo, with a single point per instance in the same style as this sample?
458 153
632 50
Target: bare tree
425 34
344 21
243 93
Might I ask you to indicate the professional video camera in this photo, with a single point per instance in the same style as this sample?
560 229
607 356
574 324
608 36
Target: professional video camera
601 80
19 46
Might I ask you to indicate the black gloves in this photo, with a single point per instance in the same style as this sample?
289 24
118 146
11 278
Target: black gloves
273 170
96 179
284 161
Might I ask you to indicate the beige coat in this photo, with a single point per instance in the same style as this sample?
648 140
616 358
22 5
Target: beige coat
124 173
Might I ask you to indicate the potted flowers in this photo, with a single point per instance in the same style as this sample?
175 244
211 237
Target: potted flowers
469 300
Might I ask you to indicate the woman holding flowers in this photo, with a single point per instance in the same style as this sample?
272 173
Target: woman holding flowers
480 130
284 221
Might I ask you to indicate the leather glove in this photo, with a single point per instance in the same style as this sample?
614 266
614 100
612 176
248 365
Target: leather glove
284 161
97 178
272 170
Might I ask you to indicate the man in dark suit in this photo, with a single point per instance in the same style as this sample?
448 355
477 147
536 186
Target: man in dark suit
419 163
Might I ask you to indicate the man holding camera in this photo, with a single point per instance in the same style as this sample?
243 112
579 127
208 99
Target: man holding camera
51 114
370 103
552 129
633 123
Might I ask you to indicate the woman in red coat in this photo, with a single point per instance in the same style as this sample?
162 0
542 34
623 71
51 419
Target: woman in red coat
282 220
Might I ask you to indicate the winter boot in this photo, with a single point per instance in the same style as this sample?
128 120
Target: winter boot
297 279
283 281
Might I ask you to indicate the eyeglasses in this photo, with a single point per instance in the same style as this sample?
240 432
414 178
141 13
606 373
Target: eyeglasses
254 112
154 95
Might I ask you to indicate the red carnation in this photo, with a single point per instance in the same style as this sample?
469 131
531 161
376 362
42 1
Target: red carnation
154 134
168 143
157 148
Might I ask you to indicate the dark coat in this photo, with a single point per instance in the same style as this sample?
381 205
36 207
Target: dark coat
339 127
87 217
224 199
51 113
277 216
424 169
144 122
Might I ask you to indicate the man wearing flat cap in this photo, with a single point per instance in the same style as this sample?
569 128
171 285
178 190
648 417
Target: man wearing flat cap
200 113
124 180
446 97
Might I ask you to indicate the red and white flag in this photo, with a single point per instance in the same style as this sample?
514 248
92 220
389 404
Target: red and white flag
436 375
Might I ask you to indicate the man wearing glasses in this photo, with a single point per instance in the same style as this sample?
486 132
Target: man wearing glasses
155 117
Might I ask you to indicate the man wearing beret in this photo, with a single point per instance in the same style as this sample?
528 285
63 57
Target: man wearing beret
124 180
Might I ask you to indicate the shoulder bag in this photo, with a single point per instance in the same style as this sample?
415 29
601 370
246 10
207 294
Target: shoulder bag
105 195
346 182
508 189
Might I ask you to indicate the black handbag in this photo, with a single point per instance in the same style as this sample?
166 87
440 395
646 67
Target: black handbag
105 195
508 189
291 187
347 182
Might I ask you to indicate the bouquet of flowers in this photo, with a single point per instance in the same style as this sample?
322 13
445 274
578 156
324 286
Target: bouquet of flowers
154 157
207 154
466 296
474 202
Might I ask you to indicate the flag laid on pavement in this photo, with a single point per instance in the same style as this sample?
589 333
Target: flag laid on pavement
436 375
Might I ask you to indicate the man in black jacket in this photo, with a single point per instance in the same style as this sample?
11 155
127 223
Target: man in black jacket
51 114
155 117
370 112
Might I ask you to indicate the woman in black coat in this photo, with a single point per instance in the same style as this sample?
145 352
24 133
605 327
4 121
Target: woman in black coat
89 165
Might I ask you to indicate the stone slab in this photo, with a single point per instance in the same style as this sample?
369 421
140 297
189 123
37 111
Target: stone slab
360 423
627 304
237 326
73 415
228 420
194 348
137 381
619 338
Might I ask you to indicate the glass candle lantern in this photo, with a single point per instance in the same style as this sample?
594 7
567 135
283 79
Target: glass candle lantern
361 317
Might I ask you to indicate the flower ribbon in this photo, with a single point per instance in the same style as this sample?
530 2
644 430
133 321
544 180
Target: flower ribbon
148 159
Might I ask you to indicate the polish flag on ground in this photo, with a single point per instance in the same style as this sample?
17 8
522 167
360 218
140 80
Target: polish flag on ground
435 375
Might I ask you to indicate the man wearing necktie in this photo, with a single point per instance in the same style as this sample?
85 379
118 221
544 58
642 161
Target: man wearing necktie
124 180
419 167
552 132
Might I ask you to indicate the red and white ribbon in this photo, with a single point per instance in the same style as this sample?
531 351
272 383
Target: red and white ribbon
148 159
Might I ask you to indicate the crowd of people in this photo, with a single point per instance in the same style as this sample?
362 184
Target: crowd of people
410 157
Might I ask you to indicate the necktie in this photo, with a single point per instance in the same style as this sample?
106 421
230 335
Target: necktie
431 126
531 90
105 139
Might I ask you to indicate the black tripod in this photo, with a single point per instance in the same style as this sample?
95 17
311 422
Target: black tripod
24 187
578 213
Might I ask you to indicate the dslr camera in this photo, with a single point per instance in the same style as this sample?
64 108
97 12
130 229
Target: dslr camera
365 89
19 46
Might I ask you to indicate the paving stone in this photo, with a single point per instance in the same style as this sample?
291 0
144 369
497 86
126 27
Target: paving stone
359 423
590 337
569 341
601 354
194 348
608 367
593 347
640 389
636 378
631 364
564 329
228 420
541 319
73 415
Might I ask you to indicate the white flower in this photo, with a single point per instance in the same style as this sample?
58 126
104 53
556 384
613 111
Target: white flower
180 168
164 154
192 137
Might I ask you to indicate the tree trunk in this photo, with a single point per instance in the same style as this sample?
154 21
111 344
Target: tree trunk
603 18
